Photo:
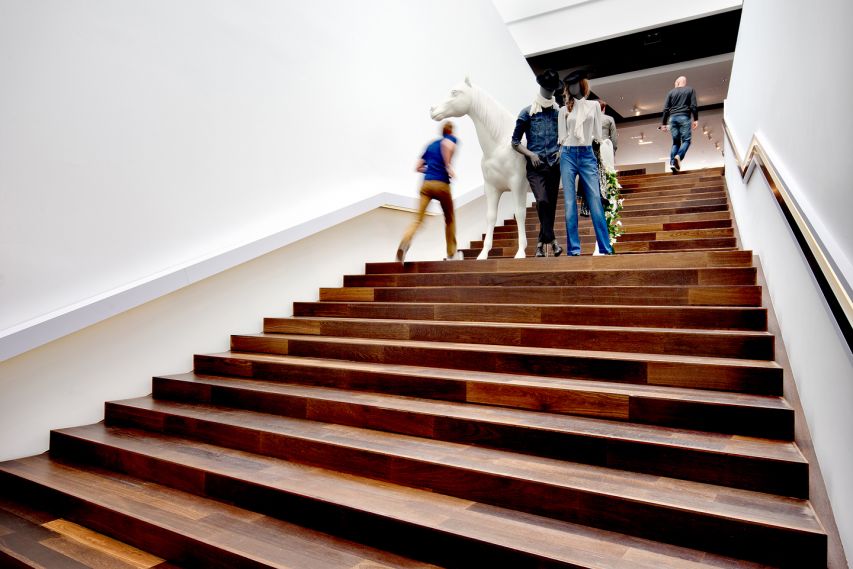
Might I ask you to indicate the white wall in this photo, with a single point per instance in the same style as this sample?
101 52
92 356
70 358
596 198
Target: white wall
66 382
140 136
791 73
542 26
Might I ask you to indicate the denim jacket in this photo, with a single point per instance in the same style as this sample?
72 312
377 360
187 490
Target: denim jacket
541 133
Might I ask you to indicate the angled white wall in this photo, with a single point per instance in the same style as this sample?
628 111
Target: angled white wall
542 26
141 136
791 70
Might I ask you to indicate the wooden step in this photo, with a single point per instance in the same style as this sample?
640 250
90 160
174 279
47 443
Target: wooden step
33 538
674 196
744 376
566 277
509 249
662 217
715 411
718 317
629 206
686 295
174 524
753 345
639 227
507 239
757 526
776 467
675 260
672 210
426 525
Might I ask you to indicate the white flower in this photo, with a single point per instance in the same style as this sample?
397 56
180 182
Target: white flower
619 223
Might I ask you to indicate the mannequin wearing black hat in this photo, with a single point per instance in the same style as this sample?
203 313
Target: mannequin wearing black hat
579 124
538 124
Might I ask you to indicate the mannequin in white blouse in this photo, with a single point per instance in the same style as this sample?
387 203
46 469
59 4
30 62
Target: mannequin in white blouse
578 125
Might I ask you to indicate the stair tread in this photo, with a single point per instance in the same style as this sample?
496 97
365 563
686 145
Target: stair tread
591 354
259 538
529 326
547 538
751 507
602 386
599 428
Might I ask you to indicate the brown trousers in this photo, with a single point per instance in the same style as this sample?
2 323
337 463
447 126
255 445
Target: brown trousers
434 190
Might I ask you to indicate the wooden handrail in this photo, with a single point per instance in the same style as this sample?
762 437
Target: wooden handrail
835 290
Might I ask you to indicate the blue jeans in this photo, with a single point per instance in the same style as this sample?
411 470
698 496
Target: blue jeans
580 161
679 127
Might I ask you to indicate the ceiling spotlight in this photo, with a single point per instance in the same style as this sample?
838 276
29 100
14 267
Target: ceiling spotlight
717 145
704 129
643 140
635 110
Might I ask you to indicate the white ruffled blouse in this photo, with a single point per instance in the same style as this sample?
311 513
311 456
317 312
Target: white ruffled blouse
581 126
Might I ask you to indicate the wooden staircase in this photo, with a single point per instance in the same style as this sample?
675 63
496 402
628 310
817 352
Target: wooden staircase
587 412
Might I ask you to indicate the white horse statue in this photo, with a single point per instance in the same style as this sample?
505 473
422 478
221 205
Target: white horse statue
503 168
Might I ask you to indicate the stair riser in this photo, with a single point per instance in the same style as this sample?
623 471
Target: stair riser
679 260
629 207
652 296
652 277
790 479
507 239
128 529
503 231
677 198
660 218
762 381
511 247
645 519
699 318
648 342
646 409
662 211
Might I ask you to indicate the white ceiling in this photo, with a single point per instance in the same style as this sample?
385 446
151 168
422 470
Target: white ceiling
647 89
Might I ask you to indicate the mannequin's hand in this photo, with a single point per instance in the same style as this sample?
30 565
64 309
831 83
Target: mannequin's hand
535 160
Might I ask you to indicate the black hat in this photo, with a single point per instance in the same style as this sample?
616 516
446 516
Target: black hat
575 76
549 79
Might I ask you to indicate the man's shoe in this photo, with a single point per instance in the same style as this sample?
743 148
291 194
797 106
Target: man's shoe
672 167
540 250
677 163
556 248
401 253
585 211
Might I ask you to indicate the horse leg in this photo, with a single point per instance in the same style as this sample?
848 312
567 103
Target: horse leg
492 198
520 194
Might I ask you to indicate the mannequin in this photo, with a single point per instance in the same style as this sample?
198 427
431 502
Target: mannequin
579 124
538 124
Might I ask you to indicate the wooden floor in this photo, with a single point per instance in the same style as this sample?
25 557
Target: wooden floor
588 412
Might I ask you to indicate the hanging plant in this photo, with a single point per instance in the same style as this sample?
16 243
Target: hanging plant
612 202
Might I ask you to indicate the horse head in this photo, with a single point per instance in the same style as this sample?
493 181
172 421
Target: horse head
456 105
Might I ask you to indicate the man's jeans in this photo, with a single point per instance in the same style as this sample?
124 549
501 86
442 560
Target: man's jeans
679 126
580 161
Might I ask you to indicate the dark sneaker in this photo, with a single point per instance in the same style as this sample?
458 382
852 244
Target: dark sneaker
556 248
540 250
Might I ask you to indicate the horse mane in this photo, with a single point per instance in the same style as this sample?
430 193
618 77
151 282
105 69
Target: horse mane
497 121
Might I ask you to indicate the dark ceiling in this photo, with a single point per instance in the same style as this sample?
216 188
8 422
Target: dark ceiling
685 41
694 39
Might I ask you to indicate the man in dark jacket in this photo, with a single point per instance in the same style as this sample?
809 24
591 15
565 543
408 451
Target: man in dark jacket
679 105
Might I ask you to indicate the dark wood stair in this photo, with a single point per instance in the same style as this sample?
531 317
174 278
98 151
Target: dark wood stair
587 412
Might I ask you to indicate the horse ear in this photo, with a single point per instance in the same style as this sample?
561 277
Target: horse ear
468 81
